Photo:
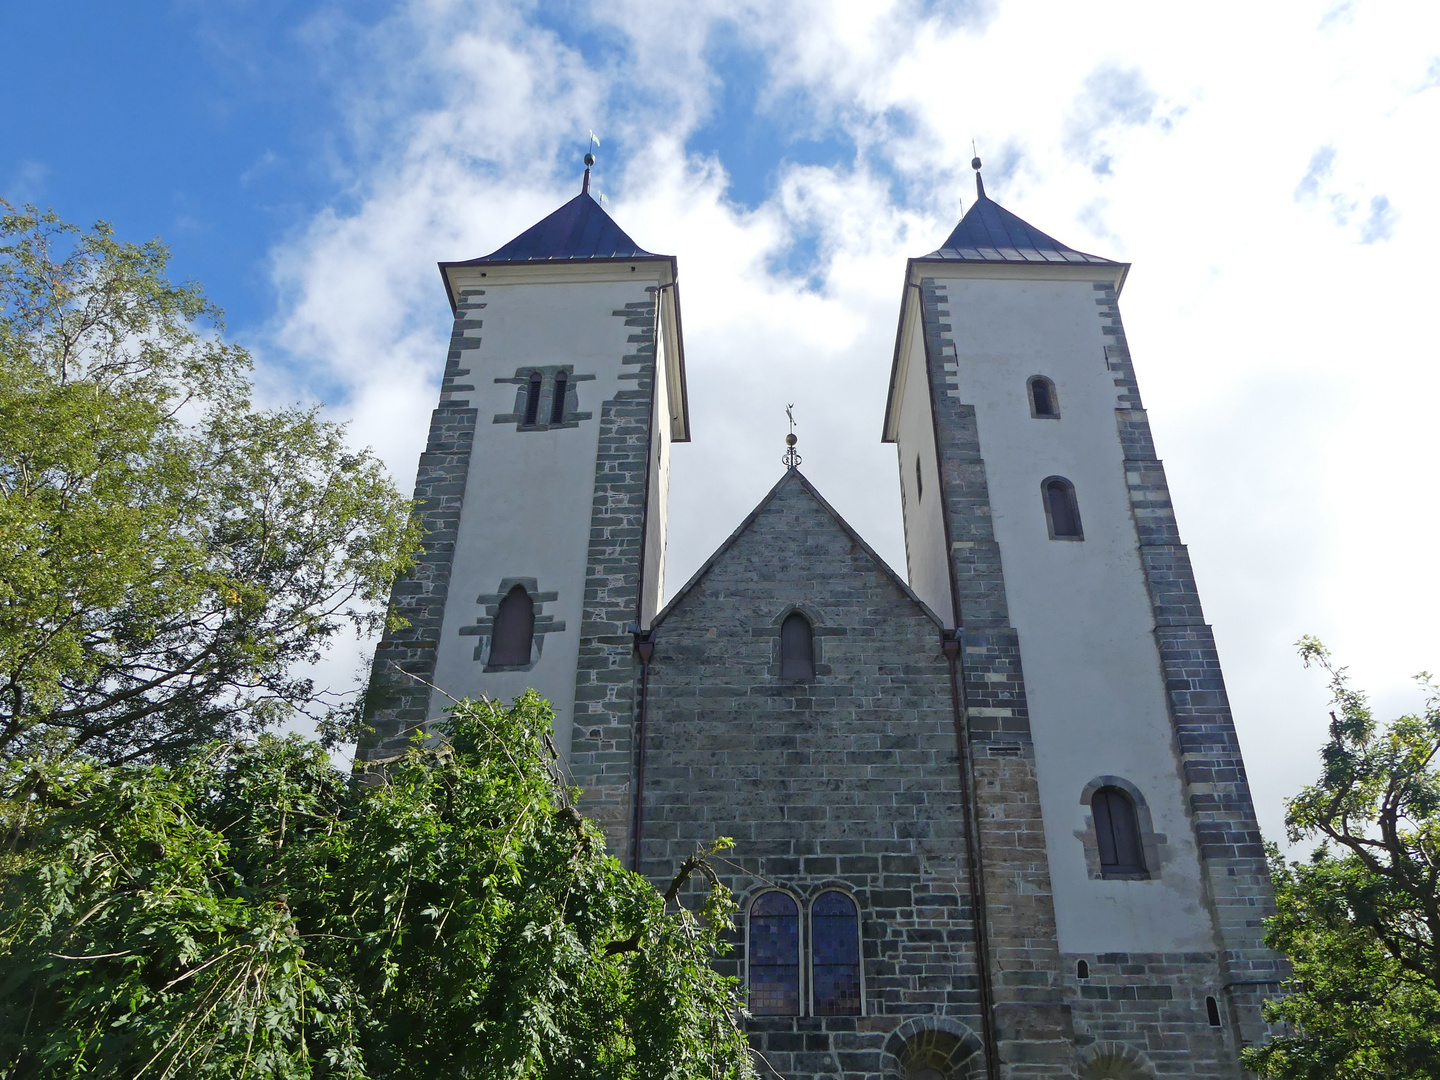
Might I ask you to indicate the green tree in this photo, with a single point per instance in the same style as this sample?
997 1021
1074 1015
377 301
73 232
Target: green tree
1360 921
169 555
254 913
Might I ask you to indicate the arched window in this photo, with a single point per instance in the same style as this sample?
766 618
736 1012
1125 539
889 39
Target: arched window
919 480
797 648
1082 969
1212 1011
773 959
514 629
557 403
835 955
1044 404
1117 833
1062 513
532 400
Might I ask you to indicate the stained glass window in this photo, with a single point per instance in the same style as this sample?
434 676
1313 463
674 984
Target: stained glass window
835 941
774 955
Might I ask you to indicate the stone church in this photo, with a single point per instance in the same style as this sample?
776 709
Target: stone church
991 818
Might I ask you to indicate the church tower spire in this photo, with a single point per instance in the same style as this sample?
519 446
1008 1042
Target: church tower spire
542 489
1038 523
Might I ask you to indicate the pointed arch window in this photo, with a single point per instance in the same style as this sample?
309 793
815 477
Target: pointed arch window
1044 403
773 956
797 648
1117 833
514 630
1062 512
557 402
835 955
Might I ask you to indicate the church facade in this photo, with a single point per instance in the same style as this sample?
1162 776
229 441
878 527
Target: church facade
990 818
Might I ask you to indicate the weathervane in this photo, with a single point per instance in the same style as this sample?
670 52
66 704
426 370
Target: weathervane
791 460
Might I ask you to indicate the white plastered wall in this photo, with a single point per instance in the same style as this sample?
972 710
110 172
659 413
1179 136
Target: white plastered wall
925 548
1092 669
529 494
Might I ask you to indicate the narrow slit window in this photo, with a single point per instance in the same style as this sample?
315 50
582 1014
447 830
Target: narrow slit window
835 955
773 959
532 400
557 403
514 631
1061 510
1082 969
1043 401
797 648
1212 1011
1117 832
919 480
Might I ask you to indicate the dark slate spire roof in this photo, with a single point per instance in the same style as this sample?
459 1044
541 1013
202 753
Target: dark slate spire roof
578 230
990 233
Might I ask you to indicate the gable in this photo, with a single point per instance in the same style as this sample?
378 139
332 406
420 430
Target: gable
795 549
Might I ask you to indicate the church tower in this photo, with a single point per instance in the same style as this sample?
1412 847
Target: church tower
542 490
1038 522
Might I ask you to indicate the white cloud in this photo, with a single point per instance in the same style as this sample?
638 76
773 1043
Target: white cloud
1287 360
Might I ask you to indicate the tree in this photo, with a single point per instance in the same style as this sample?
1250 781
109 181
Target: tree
168 553
1360 921
254 913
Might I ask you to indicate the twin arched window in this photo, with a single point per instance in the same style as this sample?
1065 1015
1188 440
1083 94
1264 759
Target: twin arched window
797 648
559 391
773 957
1062 512
514 630
1117 833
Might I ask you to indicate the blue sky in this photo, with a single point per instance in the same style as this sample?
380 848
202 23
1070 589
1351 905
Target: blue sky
1268 169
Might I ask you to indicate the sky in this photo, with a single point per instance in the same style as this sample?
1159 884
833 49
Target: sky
1268 169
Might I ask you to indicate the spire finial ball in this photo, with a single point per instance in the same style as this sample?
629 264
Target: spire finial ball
975 164
790 439
589 160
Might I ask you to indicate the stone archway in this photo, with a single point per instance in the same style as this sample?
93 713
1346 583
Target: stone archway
1114 1061
933 1048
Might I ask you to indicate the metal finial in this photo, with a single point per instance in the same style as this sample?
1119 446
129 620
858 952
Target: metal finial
791 460
589 161
975 164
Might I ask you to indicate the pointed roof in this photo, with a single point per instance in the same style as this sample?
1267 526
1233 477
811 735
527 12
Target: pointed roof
794 477
581 229
990 233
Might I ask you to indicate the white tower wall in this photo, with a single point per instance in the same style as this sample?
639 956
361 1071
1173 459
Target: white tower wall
1093 678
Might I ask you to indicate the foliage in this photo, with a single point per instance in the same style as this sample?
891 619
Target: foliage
168 554
254 914
1361 920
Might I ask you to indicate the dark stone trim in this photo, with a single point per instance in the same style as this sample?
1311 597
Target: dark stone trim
397 700
1221 810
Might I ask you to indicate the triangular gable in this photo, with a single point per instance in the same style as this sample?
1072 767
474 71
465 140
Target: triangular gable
794 476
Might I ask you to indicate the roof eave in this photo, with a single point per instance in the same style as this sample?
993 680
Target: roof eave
446 267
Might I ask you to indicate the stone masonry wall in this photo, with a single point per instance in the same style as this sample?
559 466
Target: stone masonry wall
404 666
849 781
600 747
1226 829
